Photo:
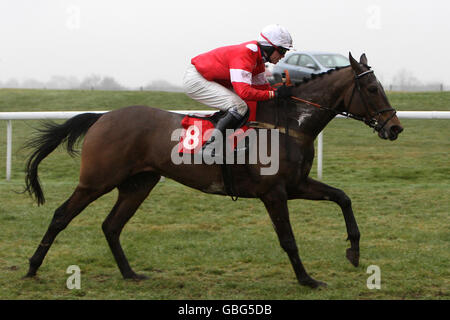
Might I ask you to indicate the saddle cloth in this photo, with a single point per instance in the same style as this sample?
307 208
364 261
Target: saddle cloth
197 129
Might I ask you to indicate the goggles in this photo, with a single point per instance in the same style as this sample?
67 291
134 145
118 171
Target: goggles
280 50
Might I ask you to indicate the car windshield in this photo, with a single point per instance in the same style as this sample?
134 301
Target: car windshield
332 60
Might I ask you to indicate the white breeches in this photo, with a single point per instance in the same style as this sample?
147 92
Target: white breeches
212 94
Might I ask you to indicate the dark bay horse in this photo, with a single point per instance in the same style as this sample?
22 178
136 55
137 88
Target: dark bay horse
130 149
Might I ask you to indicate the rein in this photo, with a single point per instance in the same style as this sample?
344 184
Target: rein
372 122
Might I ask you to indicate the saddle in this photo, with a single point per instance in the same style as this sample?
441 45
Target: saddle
197 131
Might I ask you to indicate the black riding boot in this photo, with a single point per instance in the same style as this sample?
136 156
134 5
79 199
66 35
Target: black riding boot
228 121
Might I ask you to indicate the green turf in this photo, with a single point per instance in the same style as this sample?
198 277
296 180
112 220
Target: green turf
190 249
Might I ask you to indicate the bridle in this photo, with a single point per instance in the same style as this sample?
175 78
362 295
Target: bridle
372 121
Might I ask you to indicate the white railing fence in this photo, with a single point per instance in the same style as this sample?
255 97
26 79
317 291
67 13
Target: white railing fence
54 115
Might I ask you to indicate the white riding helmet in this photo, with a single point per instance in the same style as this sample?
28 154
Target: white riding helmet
276 36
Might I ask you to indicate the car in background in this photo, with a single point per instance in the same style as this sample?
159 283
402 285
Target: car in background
301 64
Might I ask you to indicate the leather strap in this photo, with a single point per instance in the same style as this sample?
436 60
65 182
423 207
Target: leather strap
292 133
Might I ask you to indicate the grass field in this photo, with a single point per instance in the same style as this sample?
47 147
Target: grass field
198 246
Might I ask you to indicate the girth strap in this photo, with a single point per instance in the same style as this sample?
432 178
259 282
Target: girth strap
228 181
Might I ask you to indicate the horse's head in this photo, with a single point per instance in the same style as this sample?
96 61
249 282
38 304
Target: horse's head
367 100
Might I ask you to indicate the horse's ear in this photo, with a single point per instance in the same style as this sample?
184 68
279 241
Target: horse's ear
353 62
363 59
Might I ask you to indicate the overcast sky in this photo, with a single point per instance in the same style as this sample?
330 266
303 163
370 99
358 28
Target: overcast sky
138 41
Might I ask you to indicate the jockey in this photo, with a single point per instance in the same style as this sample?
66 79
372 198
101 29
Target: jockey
226 77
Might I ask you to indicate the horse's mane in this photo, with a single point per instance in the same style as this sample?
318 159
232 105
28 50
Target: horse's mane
315 76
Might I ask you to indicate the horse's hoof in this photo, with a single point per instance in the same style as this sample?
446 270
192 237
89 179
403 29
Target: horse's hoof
136 277
314 284
29 275
353 256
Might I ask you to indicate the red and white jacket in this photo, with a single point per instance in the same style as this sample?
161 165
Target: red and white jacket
240 67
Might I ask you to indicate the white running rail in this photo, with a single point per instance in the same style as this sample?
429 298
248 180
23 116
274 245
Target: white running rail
9 116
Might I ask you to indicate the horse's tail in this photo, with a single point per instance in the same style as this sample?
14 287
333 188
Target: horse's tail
48 139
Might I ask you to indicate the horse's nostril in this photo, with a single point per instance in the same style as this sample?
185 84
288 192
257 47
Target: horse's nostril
396 130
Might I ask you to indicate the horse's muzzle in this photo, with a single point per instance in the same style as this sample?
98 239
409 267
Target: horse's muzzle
390 133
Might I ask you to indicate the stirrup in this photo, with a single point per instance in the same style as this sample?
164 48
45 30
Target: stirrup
210 147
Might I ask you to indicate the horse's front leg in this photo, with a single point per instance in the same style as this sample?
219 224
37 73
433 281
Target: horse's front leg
315 190
276 204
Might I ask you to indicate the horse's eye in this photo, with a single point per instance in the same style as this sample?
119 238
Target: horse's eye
372 89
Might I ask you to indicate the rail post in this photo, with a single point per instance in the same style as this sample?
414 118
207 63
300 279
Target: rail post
319 155
8 149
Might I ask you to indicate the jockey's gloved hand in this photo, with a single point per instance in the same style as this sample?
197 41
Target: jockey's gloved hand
283 92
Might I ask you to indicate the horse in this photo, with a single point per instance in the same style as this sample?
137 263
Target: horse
130 149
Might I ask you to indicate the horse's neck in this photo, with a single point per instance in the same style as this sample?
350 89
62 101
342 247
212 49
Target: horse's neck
311 120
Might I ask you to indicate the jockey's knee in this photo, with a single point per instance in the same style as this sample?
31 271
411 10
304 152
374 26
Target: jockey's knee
239 110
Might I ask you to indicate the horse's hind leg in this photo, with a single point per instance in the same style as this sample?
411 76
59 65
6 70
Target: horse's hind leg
80 198
315 190
131 194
